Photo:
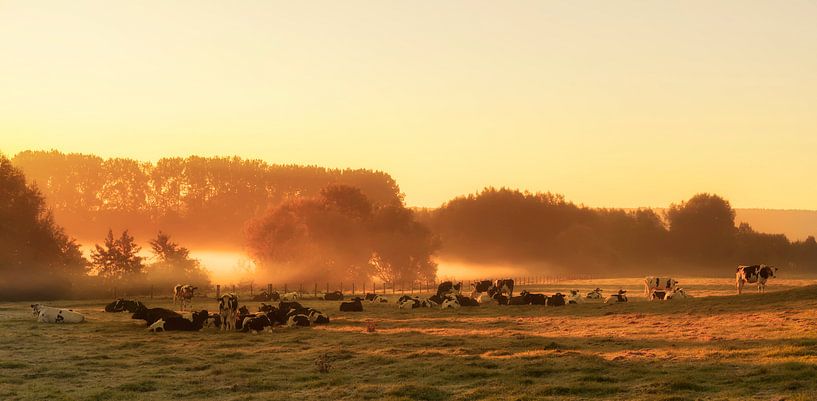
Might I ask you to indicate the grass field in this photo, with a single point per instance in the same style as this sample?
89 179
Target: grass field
715 346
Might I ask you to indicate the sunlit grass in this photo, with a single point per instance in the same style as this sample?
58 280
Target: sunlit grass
719 347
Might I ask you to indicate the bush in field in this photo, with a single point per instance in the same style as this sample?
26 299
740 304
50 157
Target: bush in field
37 259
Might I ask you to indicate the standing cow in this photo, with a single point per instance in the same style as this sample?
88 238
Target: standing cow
228 309
759 274
183 293
658 283
501 287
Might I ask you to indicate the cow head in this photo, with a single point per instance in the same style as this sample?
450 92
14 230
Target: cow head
621 292
35 309
574 293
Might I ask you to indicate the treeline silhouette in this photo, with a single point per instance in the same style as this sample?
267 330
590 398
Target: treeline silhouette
544 231
203 200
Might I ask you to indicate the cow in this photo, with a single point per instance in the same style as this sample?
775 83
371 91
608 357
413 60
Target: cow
595 294
375 298
450 302
557 299
256 323
333 296
265 296
437 299
480 287
410 303
180 323
447 287
534 299
759 274
266 308
574 297
228 309
619 297
151 315
317 317
658 283
677 293
354 306
504 286
298 321
290 296
520 300
48 314
658 295
183 293
428 303
213 320
466 301
500 299
122 305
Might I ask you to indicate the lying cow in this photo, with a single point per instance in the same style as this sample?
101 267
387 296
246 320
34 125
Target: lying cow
266 297
658 283
450 302
409 303
573 297
256 323
180 323
759 274
354 306
48 314
557 299
534 299
375 298
122 305
677 293
333 296
595 294
466 301
619 297
291 296
151 315
228 309
298 320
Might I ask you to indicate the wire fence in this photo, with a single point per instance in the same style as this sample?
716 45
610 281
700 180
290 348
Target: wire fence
352 288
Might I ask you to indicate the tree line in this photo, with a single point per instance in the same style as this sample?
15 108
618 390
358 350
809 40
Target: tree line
696 236
204 200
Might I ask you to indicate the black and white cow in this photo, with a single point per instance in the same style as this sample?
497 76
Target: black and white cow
48 314
534 299
180 323
466 301
183 293
658 283
595 294
759 274
256 323
659 295
619 297
480 287
557 299
213 320
151 315
409 303
291 296
375 298
573 297
298 320
520 300
333 296
317 317
122 305
447 287
354 305
265 296
500 299
228 309
450 302
502 286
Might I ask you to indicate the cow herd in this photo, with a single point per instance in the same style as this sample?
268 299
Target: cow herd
288 312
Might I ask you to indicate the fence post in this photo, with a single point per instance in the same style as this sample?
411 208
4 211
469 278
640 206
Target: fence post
269 288
151 291
341 287
301 288
353 288
327 287
316 290
285 288
218 291
364 287
384 288
250 289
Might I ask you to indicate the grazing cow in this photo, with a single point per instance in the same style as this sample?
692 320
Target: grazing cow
447 287
298 321
480 287
534 299
228 309
333 296
354 306
595 294
290 296
503 286
557 299
619 297
759 274
48 314
573 297
677 293
151 315
180 323
121 305
450 302
658 283
183 293
256 323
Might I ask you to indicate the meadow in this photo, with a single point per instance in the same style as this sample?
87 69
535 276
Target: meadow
716 346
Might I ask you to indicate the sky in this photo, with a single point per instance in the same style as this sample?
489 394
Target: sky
611 103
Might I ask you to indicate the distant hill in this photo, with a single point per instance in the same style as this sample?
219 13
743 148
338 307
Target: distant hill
796 224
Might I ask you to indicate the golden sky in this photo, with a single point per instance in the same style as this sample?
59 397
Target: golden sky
612 103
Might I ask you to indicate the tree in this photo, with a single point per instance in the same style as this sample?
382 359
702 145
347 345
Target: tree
37 258
173 263
118 258
702 229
